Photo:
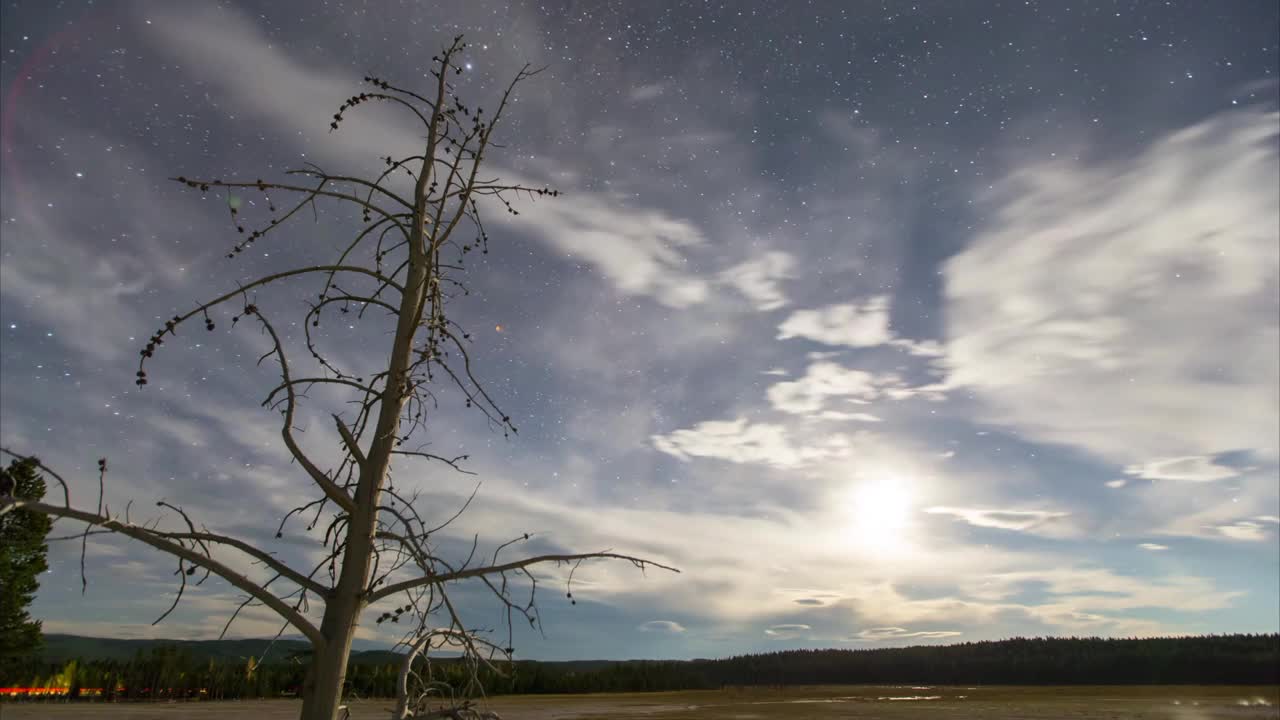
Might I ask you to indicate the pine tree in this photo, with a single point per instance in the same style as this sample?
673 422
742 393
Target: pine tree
22 559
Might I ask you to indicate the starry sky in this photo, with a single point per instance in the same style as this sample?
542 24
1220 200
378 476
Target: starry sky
886 323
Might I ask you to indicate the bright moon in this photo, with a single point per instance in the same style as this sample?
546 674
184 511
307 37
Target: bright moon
879 513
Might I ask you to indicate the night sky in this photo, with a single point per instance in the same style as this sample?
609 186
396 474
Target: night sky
886 323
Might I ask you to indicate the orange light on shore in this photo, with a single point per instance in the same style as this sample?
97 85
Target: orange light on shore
497 328
46 691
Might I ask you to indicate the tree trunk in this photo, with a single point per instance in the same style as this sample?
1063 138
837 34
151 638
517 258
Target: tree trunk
322 688
322 693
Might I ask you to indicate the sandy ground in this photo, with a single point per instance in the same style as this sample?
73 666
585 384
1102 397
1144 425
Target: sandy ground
853 702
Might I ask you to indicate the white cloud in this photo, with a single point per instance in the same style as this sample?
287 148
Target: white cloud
758 279
822 381
777 557
1115 484
816 599
852 324
1190 469
646 92
1203 510
896 389
787 631
1246 530
670 627
825 381
857 325
1103 590
1130 308
740 441
1020 520
1155 547
107 284
638 249
897 633
115 275
842 415
922 348
1077 599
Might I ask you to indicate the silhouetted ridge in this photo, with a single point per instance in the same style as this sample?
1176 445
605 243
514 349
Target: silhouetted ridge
224 669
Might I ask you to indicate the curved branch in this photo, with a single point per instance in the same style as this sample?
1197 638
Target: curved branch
321 175
349 440
159 542
329 487
513 565
204 307
366 389
313 192
264 557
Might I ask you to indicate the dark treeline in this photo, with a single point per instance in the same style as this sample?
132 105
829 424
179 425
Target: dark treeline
171 672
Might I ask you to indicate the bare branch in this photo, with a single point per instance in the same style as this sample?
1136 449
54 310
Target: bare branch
349 440
260 555
159 542
514 565
331 490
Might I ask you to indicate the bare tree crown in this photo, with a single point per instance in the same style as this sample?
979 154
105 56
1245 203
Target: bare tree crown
405 261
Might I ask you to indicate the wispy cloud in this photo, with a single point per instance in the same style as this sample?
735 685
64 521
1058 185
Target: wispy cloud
896 633
741 441
843 415
860 324
669 627
759 279
1019 520
857 325
1188 469
640 249
825 381
1246 530
1128 307
821 382
646 92
787 631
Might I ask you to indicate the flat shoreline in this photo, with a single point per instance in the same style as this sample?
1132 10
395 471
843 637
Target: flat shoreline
755 703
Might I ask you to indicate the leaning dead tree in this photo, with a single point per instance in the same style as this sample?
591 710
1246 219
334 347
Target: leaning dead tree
403 265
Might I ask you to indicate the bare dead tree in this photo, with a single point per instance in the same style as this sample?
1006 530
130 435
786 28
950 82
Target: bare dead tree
405 261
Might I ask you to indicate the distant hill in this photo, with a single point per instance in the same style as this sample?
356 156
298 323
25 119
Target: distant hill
59 648
218 667
1231 659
